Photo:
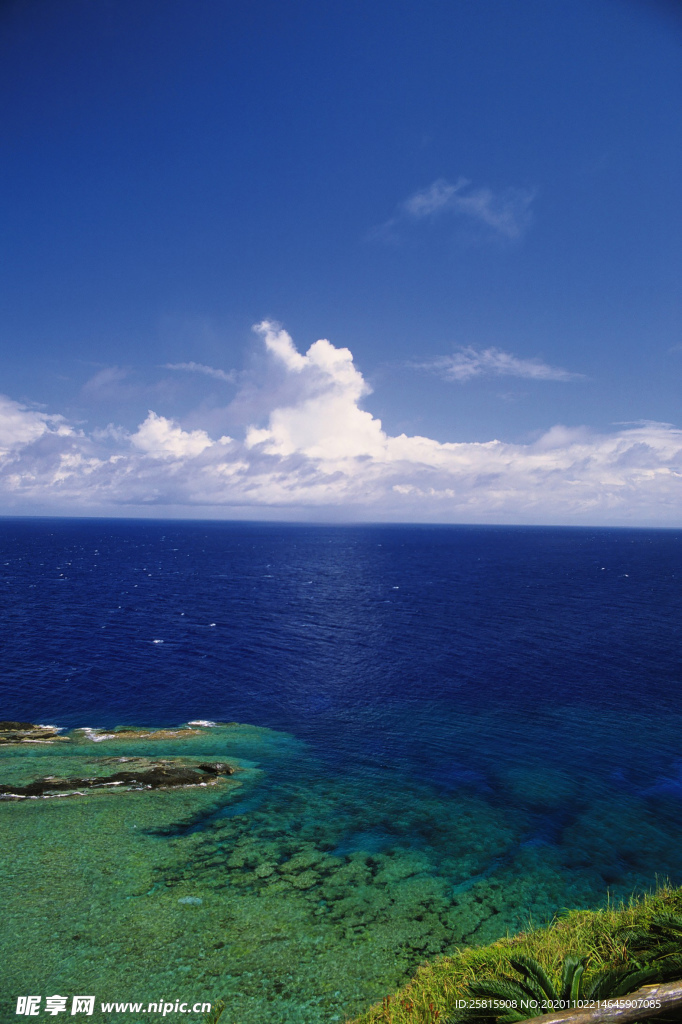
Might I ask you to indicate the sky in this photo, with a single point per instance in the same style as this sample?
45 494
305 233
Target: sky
331 260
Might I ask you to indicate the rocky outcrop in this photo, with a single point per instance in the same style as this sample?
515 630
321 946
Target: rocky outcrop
27 732
143 775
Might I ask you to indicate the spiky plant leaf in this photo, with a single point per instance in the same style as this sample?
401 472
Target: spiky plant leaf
477 1015
670 967
535 977
215 1013
512 1016
529 992
634 980
664 928
664 951
635 938
501 988
481 1016
668 923
610 984
600 985
570 979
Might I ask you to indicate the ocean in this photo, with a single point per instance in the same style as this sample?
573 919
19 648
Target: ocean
446 733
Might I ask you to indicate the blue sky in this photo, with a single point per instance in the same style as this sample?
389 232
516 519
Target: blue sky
476 200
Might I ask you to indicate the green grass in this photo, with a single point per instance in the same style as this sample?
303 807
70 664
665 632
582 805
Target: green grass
430 995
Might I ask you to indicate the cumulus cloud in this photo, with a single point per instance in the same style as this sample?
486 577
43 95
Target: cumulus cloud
469 362
209 371
504 212
163 438
323 419
20 426
318 453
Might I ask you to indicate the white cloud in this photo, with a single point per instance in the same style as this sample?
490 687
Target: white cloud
505 212
322 419
209 371
162 438
317 453
20 425
470 362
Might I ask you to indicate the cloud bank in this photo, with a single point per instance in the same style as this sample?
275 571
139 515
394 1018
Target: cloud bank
318 454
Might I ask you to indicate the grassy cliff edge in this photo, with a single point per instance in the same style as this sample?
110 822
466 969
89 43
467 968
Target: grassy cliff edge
432 992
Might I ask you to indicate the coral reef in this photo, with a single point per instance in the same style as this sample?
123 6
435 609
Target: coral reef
299 891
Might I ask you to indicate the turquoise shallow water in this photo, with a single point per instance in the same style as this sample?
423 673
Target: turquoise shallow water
300 892
454 732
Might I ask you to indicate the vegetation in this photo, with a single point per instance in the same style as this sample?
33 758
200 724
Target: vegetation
215 1013
537 993
631 943
658 944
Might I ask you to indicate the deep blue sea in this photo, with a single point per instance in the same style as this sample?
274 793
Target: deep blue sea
366 641
431 647
503 702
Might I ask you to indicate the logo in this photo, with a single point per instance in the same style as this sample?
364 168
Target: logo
29 1006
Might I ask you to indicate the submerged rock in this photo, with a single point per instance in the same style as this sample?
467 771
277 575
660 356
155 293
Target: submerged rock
150 775
305 880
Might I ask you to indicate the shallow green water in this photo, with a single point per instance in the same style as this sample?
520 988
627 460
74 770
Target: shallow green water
296 893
